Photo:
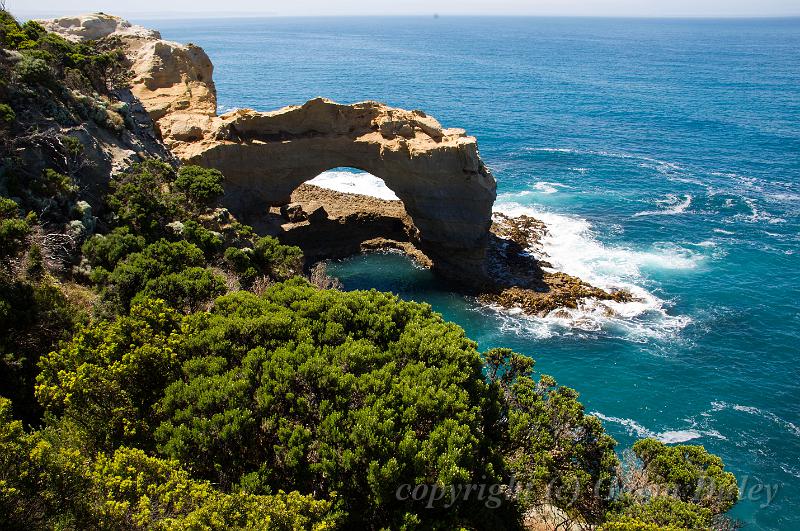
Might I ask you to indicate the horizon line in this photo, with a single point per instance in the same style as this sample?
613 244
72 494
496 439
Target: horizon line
147 15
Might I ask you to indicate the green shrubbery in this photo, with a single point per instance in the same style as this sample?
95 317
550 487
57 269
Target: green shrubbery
7 114
168 244
33 71
47 56
46 482
34 314
201 185
346 395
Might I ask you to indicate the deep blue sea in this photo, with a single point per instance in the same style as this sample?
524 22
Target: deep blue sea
664 155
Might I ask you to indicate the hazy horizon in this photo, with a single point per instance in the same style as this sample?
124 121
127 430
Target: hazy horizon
153 9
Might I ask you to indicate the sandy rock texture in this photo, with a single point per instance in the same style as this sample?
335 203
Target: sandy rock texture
173 81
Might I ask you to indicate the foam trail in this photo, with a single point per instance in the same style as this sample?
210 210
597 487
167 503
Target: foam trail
351 182
675 206
636 429
752 410
546 187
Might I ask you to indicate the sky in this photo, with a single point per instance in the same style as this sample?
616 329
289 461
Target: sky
209 8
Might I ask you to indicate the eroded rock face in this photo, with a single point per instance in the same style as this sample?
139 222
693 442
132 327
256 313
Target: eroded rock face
438 174
96 26
173 81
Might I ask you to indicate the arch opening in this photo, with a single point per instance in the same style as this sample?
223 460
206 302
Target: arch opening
341 212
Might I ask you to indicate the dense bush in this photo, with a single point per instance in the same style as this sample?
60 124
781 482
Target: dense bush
317 391
47 56
152 203
689 473
347 396
202 185
140 198
33 70
7 114
144 271
34 314
13 230
105 251
561 455
48 482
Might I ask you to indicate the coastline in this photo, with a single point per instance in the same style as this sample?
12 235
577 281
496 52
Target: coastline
351 223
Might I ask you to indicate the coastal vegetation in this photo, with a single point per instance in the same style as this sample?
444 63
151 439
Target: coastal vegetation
162 366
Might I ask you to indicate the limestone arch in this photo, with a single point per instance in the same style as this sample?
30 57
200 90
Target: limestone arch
437 173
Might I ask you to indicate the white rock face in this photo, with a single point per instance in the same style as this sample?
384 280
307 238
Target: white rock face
96 26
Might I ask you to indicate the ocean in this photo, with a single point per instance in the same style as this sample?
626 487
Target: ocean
664 157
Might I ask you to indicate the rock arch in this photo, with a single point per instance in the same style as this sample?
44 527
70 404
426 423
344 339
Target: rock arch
446 189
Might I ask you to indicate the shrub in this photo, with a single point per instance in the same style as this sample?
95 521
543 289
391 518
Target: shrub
209 241
187 290
202 185
48 481
561 455
315 391
7 114
136 272
141 200
33 70
107 250
662 512
279 261
14 231
689 472
12 35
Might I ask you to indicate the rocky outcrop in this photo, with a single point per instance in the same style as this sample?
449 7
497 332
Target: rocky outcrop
173 81
95 26
447 190
444 220
520 281
347 224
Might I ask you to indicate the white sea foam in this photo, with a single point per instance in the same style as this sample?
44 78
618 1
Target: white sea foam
571 246
551 150
547 187
678 436
673 204
351 182
752 410
756 214
636 429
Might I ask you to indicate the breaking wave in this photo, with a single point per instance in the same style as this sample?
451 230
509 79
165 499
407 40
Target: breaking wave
571 246
635 429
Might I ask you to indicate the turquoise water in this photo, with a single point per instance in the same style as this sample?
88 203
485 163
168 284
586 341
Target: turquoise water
664 156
